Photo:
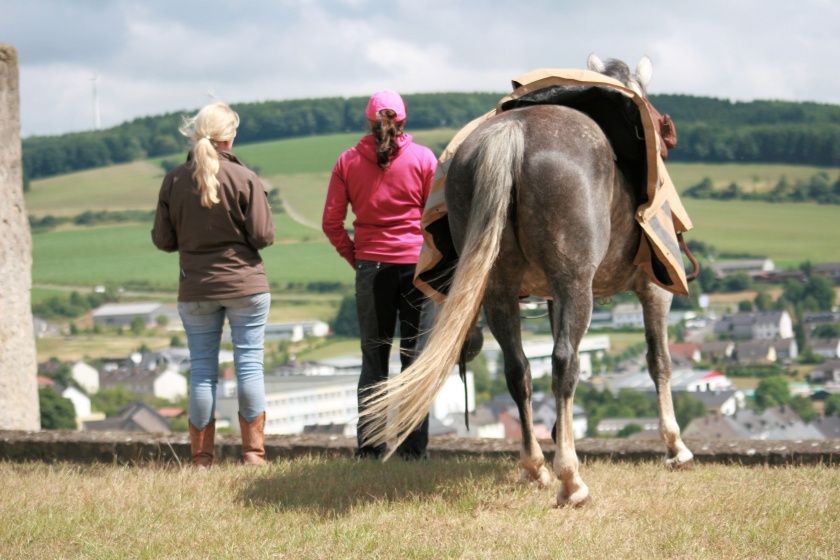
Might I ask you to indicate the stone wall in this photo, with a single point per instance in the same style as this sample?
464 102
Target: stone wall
18 367
139 448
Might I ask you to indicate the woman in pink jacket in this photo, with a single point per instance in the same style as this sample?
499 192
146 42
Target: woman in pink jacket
385 179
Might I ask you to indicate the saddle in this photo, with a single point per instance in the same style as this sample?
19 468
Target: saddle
634 129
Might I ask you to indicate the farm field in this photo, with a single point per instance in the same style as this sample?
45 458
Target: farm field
441 508
788 233
125 254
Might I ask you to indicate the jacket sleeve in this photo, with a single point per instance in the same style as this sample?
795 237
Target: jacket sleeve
335 211
259 226
163 232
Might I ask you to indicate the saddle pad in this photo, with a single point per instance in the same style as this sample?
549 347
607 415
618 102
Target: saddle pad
661 215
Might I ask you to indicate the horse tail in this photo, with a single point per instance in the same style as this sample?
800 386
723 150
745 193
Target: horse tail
408 397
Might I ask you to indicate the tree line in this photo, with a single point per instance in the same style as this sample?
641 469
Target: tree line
818 188
709 129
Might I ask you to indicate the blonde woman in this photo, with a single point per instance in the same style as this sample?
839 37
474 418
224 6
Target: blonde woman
214 211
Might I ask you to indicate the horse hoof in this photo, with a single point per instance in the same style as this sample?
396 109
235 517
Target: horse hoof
541 479
674 465
682 461
576 499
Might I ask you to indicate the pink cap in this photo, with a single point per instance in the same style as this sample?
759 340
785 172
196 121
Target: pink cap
385 99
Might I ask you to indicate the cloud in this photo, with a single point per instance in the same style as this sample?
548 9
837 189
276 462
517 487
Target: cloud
157 56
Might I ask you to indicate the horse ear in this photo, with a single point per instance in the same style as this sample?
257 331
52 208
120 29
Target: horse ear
644 71
594 63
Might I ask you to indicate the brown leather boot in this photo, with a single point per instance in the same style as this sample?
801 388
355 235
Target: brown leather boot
253 440
202 444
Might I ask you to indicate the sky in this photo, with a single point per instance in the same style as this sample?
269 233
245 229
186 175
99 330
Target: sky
156 56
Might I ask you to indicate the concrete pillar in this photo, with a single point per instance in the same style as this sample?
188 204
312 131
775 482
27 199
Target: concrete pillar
18 362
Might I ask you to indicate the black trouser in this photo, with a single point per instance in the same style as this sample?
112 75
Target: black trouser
384 293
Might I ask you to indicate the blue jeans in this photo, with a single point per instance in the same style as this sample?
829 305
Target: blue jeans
203 321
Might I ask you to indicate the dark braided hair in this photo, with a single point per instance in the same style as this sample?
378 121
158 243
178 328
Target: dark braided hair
386 130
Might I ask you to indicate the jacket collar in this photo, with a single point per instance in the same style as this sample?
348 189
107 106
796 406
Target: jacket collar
229 156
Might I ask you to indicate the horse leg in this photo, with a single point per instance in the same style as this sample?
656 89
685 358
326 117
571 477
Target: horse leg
655 305
501 308
570 316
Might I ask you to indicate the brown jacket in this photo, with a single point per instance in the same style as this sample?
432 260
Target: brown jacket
217 246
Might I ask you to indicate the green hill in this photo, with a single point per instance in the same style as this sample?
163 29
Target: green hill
709 129
300 168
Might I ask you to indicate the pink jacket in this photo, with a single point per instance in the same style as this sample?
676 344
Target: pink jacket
388 203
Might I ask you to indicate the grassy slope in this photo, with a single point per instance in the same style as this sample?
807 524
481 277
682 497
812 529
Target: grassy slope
788 233
758 176
320 508
119 254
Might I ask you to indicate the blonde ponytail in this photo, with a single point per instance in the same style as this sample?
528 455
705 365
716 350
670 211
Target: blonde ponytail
206 168
214 123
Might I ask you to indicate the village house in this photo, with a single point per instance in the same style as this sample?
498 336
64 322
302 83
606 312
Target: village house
776 423
293 332
750 267
123 314
826 347
689 380
166 384
628 315
717 350
544 411
539 352
813 319
787 349
81 402
684 354
763 325
829 426
725 402
829 270
827 372
755 352
295 402
610 427
135 417
86 376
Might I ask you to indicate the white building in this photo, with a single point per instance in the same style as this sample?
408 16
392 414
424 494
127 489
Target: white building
167 383
538 352
86 376
628 315
122 314
81 406
296 401
690 380
766 325
293 332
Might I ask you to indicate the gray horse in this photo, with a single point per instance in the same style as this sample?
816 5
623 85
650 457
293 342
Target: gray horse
537 205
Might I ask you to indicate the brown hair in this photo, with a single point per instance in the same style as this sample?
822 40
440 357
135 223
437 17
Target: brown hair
386 131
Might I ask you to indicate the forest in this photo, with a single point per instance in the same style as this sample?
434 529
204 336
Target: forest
709 129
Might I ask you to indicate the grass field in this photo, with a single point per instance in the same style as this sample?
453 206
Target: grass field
788 233
750 176
121 254
129 186
81 347
437 509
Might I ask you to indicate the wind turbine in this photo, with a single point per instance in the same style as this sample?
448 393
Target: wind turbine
97 122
